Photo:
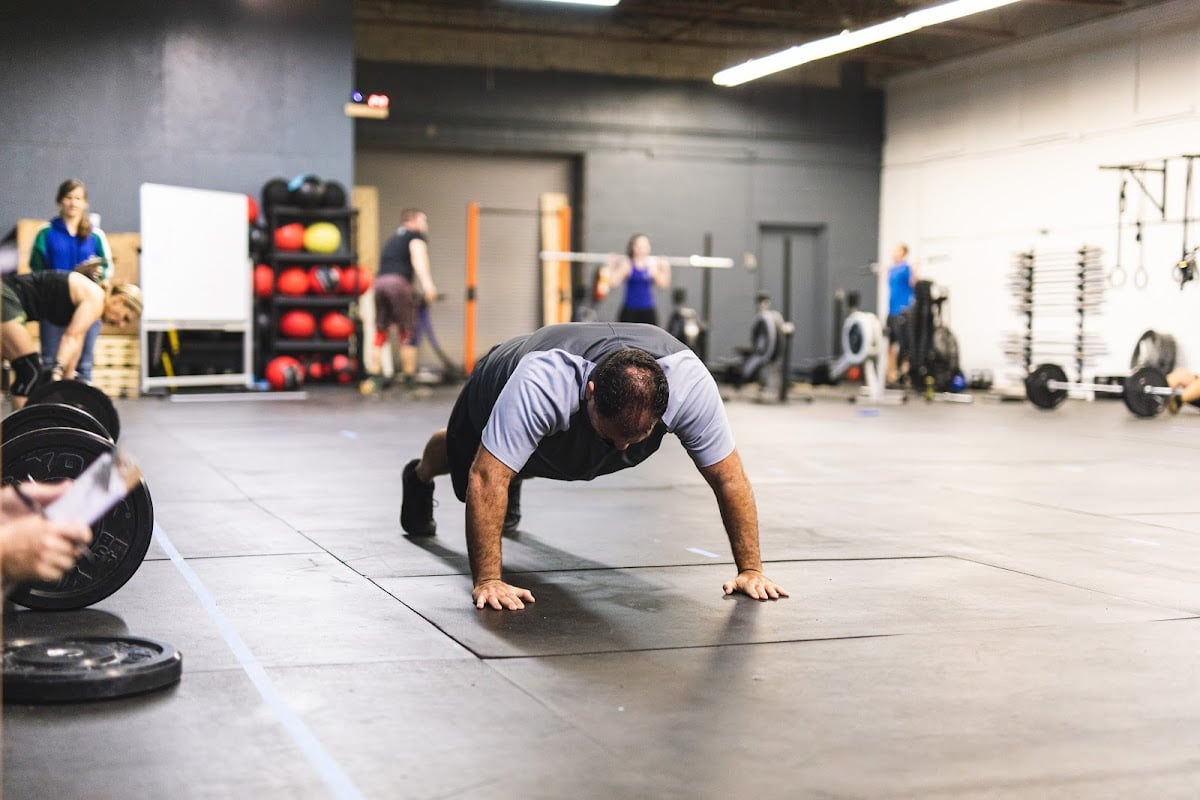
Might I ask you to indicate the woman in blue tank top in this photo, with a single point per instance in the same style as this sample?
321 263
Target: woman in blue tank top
641 273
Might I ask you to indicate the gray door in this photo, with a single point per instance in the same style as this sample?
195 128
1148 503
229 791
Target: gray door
798 250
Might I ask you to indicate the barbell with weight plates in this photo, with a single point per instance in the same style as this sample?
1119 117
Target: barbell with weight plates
48 415
119 540
1144 391
81 395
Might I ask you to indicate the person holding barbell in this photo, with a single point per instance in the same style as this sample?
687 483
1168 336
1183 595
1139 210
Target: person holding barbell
572 402
1185 386
641 272
70 299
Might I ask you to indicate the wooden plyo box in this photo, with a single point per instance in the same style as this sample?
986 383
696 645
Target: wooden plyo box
116 368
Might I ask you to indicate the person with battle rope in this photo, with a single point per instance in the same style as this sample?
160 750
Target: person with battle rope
404 258
70 299
573 402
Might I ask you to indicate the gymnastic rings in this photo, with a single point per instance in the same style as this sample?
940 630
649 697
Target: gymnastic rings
1117 277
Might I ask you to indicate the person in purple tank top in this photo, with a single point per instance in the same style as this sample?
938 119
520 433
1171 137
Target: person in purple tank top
641 273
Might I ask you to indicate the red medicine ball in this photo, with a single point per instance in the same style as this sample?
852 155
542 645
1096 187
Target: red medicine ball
355 280
336 325
317 370
251 209
297 324
289 238
324 279
343 368
264 280
284 372
293 281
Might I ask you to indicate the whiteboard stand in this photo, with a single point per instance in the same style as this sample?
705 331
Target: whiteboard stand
195 274
244 378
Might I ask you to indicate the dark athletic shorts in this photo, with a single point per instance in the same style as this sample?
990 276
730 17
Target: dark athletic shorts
463 436
395 305
12 308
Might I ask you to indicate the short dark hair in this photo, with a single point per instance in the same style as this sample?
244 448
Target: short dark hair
629 385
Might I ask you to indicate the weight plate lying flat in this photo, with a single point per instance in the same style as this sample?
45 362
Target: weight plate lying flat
1137 400
80 395
119 540
1037 387
77 668
49 415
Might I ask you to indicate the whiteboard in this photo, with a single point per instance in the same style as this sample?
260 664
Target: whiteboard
195 262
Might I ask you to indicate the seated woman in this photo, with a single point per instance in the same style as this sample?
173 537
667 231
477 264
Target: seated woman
70 299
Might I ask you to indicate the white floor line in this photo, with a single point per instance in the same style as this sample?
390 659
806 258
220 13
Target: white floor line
320 759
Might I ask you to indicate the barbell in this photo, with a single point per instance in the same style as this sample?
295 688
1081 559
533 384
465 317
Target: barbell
63 428
1144 392
64 404
710 262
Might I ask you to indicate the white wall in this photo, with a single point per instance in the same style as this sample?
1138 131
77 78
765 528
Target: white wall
1001 153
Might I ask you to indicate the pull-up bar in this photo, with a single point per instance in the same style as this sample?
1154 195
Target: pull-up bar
709 262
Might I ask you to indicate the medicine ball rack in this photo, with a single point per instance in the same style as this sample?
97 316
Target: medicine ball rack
270 342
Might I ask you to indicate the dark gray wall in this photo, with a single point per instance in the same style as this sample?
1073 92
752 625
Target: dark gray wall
215 95
674 160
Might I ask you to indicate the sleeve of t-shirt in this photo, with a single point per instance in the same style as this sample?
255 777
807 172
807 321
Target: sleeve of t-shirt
695 411
539 399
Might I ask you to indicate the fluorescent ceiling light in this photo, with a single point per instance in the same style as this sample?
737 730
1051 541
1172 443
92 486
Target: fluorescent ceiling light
852 40
583 2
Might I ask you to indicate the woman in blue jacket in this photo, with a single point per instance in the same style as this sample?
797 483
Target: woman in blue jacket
70 243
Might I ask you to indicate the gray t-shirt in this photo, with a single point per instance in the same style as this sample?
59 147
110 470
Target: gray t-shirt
528 397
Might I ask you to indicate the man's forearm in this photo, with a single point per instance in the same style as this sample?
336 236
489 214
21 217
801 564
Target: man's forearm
486 503
740 516
739 513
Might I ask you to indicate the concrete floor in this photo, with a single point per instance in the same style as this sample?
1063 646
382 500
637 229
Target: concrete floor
987 601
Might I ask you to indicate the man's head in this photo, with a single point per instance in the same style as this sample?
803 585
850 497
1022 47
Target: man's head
123 306
626 397
415 220
900 253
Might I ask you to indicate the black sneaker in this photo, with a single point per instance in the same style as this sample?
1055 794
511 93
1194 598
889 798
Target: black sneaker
416 506
512 514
